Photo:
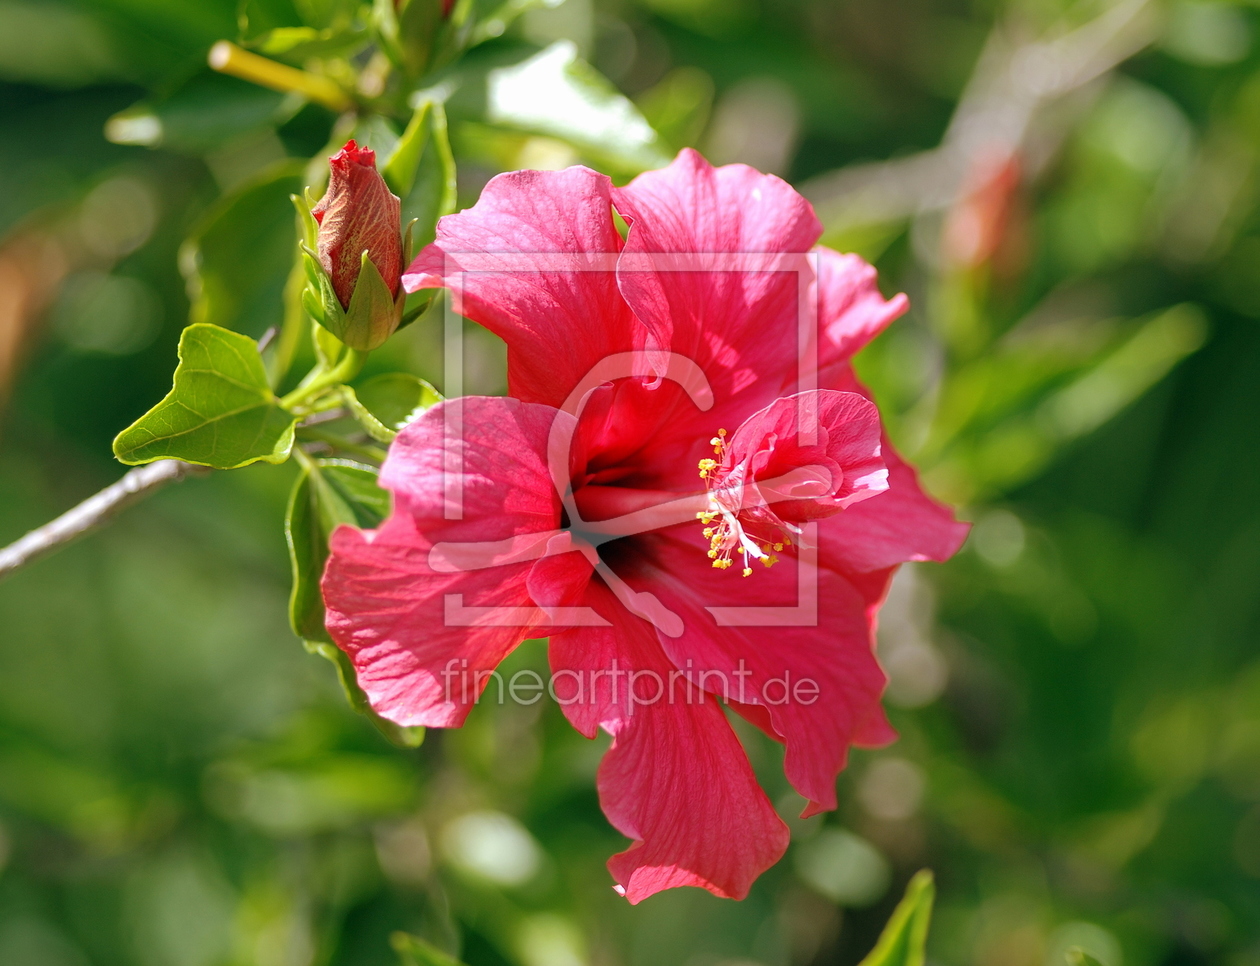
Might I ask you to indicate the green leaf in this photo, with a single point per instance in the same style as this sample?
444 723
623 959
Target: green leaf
431 193
492 17
1078 957
199 117
221 411
419 23
1004 417
399 171
414 951
386 403
327 494
237 260
903 939
555 93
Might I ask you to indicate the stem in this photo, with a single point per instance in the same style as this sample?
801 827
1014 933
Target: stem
94 512
292 328
342 372
374 453
228 58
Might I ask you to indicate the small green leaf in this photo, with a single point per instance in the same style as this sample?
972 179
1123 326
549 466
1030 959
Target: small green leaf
557 94
237 260
386 403
1078 957
432 191
399 171
904 938
414 951
221 411
327 494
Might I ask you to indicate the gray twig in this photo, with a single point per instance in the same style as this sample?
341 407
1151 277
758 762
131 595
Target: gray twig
1010 88
94 512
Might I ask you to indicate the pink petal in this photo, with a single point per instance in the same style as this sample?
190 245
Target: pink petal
740 327
815 674
843 443
422 654
899 525
851 309
533 261
675 779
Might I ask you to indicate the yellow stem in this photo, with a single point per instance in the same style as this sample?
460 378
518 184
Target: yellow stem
228 58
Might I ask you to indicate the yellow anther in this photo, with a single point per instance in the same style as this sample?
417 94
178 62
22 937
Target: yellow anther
748 571
712 554
721 432
778 546
708 531
706 465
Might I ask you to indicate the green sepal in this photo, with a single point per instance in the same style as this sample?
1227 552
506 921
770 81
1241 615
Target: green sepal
374 312
903 941
313 305
333 316
220 412
414 951
306 220
386 403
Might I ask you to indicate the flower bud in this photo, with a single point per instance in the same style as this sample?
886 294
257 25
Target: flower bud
358 214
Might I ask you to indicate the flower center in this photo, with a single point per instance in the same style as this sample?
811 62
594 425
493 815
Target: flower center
737 521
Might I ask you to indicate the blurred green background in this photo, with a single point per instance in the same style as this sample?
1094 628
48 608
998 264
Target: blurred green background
1067 190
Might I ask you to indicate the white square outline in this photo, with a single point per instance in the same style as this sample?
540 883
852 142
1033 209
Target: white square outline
458 265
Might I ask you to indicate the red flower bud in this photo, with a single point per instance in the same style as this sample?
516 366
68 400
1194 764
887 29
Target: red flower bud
358 213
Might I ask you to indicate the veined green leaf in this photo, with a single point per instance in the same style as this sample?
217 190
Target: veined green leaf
221 411
903 939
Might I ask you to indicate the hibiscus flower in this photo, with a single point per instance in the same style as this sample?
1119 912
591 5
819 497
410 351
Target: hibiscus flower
687 491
